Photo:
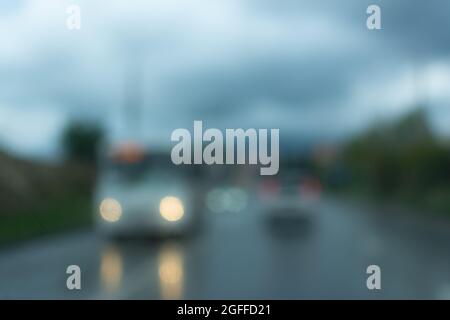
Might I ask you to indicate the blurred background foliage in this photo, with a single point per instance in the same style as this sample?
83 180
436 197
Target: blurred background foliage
80 141
41 197
399 161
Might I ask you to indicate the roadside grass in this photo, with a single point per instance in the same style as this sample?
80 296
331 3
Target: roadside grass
56 214
39 198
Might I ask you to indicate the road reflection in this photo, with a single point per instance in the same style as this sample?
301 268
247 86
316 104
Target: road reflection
171 271
111 269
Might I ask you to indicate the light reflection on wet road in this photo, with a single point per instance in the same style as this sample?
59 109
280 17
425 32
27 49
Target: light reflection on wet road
238 255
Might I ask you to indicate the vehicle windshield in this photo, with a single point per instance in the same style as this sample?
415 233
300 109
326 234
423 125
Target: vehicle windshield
156 167
136 171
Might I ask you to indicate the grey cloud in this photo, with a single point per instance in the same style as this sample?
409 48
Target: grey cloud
298 55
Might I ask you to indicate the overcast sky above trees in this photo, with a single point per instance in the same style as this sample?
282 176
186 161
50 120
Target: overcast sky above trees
310 68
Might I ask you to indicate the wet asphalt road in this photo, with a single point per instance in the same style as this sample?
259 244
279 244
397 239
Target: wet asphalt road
240 256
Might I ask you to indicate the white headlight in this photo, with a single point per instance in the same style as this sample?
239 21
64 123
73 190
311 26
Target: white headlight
110 210
171 208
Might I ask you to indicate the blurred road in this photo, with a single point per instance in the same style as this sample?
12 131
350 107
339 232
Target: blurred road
239 256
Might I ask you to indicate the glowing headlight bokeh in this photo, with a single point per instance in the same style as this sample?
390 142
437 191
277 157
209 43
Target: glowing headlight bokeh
110 210
227 200
171 208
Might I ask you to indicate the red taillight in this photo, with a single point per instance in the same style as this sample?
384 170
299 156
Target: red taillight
310 187
270 188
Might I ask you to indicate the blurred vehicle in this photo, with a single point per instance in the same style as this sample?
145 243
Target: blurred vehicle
289 197
141 194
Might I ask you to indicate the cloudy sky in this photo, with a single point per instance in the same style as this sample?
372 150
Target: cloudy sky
310 68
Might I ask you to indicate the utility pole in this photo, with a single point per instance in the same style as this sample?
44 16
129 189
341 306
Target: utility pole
132 113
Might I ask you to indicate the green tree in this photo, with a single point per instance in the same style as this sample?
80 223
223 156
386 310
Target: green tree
399 158
80 141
